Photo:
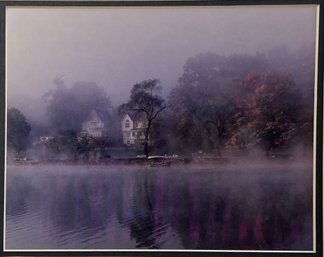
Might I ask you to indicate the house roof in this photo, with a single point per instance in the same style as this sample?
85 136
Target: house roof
137 116
93 116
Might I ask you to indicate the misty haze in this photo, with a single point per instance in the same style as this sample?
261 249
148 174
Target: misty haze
160 128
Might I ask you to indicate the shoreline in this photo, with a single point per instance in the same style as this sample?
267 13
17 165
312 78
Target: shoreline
225 164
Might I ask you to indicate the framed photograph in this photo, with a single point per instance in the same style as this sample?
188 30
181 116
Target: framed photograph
161 128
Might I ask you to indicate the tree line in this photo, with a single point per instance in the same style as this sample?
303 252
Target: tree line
220 103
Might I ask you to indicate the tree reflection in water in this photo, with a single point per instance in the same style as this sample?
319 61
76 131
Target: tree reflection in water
160 208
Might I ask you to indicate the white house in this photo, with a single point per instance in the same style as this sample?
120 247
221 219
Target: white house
93 125
133 127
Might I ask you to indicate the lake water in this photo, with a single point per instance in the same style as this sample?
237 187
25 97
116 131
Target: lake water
184 207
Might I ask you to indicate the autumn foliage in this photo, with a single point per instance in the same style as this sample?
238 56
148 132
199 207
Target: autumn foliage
269 110
221 106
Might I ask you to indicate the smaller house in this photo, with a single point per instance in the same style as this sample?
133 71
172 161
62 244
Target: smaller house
93 125
133 128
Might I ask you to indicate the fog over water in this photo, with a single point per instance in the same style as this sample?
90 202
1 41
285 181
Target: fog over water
117 47
182 207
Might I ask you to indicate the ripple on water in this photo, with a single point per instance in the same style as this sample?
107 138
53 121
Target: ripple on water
71 208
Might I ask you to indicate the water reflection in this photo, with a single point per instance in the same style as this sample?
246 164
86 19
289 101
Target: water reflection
99 207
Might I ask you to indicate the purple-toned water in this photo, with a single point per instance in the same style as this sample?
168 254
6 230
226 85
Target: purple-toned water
183 207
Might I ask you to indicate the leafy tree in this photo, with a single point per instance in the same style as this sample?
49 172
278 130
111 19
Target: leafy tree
18 130
231 100
145 98
203 104
202 114
64 143
85 146
211 69
67 108
270 106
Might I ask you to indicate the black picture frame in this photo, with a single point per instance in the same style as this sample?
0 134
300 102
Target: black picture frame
318 128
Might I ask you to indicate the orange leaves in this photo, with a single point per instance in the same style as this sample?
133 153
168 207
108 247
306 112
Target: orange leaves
269 106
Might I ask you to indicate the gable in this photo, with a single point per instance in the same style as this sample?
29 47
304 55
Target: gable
126 116
93 116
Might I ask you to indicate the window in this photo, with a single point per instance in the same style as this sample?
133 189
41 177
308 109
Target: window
133 133
128 134
127 124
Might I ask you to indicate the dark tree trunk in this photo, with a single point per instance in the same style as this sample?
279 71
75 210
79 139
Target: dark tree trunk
146 150
146 143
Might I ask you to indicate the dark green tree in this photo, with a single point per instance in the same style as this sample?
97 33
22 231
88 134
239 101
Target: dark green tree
18 130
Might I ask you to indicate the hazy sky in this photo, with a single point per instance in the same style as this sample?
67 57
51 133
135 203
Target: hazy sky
117 47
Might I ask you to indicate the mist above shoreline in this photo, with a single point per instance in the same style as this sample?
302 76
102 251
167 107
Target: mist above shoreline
118 47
